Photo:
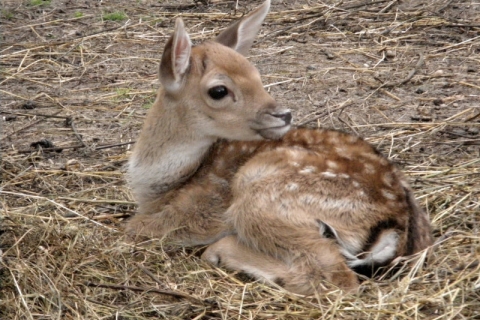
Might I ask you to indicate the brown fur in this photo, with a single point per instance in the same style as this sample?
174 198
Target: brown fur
263 205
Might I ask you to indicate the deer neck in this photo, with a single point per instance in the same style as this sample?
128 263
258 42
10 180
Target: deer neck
168 151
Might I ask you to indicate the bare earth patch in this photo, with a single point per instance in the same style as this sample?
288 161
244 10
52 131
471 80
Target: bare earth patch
77 78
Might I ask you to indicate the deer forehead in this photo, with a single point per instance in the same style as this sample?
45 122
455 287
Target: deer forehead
216 59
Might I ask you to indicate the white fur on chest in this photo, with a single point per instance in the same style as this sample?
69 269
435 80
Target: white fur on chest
173 164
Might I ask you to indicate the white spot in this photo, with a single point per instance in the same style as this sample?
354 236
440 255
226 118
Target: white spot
343 152
388 195
344 176
383 251
352 139
332 164
355 184
369 168
388 179
291 186
244 147
386 247
308 169
371 156
231 148
294 154
295 164
328 174
333 138
383 161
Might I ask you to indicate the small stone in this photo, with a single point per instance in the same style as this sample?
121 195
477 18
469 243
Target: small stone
473 130
29 105
329 55
390 54
73 165
43 143
420 90
458 131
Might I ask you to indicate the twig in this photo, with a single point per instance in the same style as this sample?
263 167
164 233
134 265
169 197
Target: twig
77 135
175 294
24 195
346 123
113 145
175 6
409 77
388 6
22 298
35 114
419 64
366 3
455 45
444 6
59 149
110 216
27 126
323 114
473 118
454 134
37 45
148 273
109 201
463 83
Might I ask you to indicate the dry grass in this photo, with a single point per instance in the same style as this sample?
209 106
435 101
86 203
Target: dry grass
404 74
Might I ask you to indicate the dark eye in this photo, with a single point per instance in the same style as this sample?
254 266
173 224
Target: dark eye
218 92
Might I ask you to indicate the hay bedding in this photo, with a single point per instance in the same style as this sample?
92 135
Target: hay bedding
76 83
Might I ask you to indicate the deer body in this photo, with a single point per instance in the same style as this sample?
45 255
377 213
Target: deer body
216 164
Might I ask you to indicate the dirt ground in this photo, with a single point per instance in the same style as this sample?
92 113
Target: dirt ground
77 78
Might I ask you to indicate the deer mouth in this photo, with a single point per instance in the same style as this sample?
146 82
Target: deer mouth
273 124
274 133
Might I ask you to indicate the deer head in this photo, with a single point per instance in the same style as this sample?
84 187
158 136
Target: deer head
218 91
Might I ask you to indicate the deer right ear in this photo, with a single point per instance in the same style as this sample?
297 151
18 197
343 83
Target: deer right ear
176 58
240 35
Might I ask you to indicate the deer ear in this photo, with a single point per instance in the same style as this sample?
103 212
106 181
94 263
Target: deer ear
240 35
326 230
176 58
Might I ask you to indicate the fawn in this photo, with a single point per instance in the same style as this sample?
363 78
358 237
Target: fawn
217 164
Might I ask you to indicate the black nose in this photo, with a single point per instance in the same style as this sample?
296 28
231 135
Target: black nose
286 116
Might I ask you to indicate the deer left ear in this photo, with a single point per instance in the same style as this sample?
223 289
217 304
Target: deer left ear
240 35
176 58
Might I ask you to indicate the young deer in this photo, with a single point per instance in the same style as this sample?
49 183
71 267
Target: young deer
216 163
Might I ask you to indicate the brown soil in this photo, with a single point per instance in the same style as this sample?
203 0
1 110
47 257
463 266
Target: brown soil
76 82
